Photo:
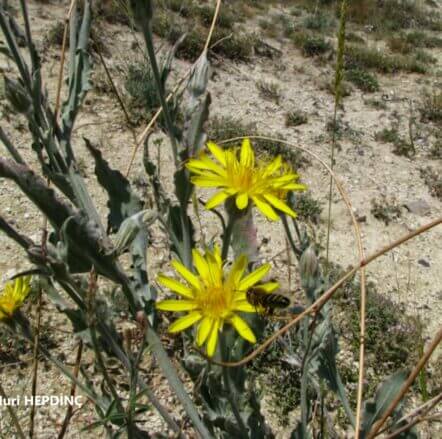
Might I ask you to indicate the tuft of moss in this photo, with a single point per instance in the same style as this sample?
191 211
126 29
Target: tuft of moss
364 80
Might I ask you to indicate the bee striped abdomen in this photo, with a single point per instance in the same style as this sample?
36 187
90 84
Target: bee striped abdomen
259 298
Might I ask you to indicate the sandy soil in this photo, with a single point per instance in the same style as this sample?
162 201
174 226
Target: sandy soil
367 169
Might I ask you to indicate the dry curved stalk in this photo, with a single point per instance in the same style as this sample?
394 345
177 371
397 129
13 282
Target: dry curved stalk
320 302
422 417
421 363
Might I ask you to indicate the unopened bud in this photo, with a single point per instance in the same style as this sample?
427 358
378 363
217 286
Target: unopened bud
308 265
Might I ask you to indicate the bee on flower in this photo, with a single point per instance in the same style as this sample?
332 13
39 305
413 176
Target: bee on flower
237 174
13 295
212 297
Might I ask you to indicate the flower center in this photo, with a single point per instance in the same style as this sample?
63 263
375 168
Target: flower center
215 301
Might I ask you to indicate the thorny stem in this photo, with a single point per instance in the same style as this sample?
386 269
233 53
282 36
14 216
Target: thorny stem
320 302
436 340
12 414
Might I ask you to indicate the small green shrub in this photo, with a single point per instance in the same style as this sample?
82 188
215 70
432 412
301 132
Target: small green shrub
310 45
295 118
319 21
140 85
182 7
54 36
376 103
431 107
368 58
364 80
401 146
436 149
386 210
269 90
225 18
421 39
308 208
433 180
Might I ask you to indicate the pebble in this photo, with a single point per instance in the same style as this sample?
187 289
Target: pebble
418 207
423 262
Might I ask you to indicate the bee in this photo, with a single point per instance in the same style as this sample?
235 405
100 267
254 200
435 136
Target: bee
258 297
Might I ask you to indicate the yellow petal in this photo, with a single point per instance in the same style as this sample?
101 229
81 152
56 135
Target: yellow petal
294 187
254 277
217 152
280 205
186 274
185 321
236 272
217 255
273 166
217 199
244 306
204 329
242 200
176 305
269 287
215 269
266 209
242 328
200 264
213 338
208 181
175 286
247 157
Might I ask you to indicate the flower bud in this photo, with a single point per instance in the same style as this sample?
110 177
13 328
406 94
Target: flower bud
308 265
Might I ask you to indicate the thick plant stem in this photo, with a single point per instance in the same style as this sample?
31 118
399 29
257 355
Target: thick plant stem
228 236
230 392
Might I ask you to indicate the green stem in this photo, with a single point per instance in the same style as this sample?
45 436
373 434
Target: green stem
230 391
227 237
148 38
288 233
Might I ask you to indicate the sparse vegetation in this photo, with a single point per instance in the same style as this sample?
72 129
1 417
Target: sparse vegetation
295 118
433 180
364 80
385 209
401 146
359 57
269 90
308 208
431 107
310 45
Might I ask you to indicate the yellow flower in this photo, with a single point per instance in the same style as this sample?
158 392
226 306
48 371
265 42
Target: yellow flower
13 296
212 297
241 177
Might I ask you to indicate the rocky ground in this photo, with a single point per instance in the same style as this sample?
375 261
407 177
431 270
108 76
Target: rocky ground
366 166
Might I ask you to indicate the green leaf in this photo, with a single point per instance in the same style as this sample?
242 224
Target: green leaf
375 409
122 203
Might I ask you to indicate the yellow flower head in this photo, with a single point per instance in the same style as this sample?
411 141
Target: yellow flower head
13 296
212 297
237 174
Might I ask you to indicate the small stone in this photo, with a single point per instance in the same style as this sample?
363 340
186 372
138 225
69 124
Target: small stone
423 262
418 207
